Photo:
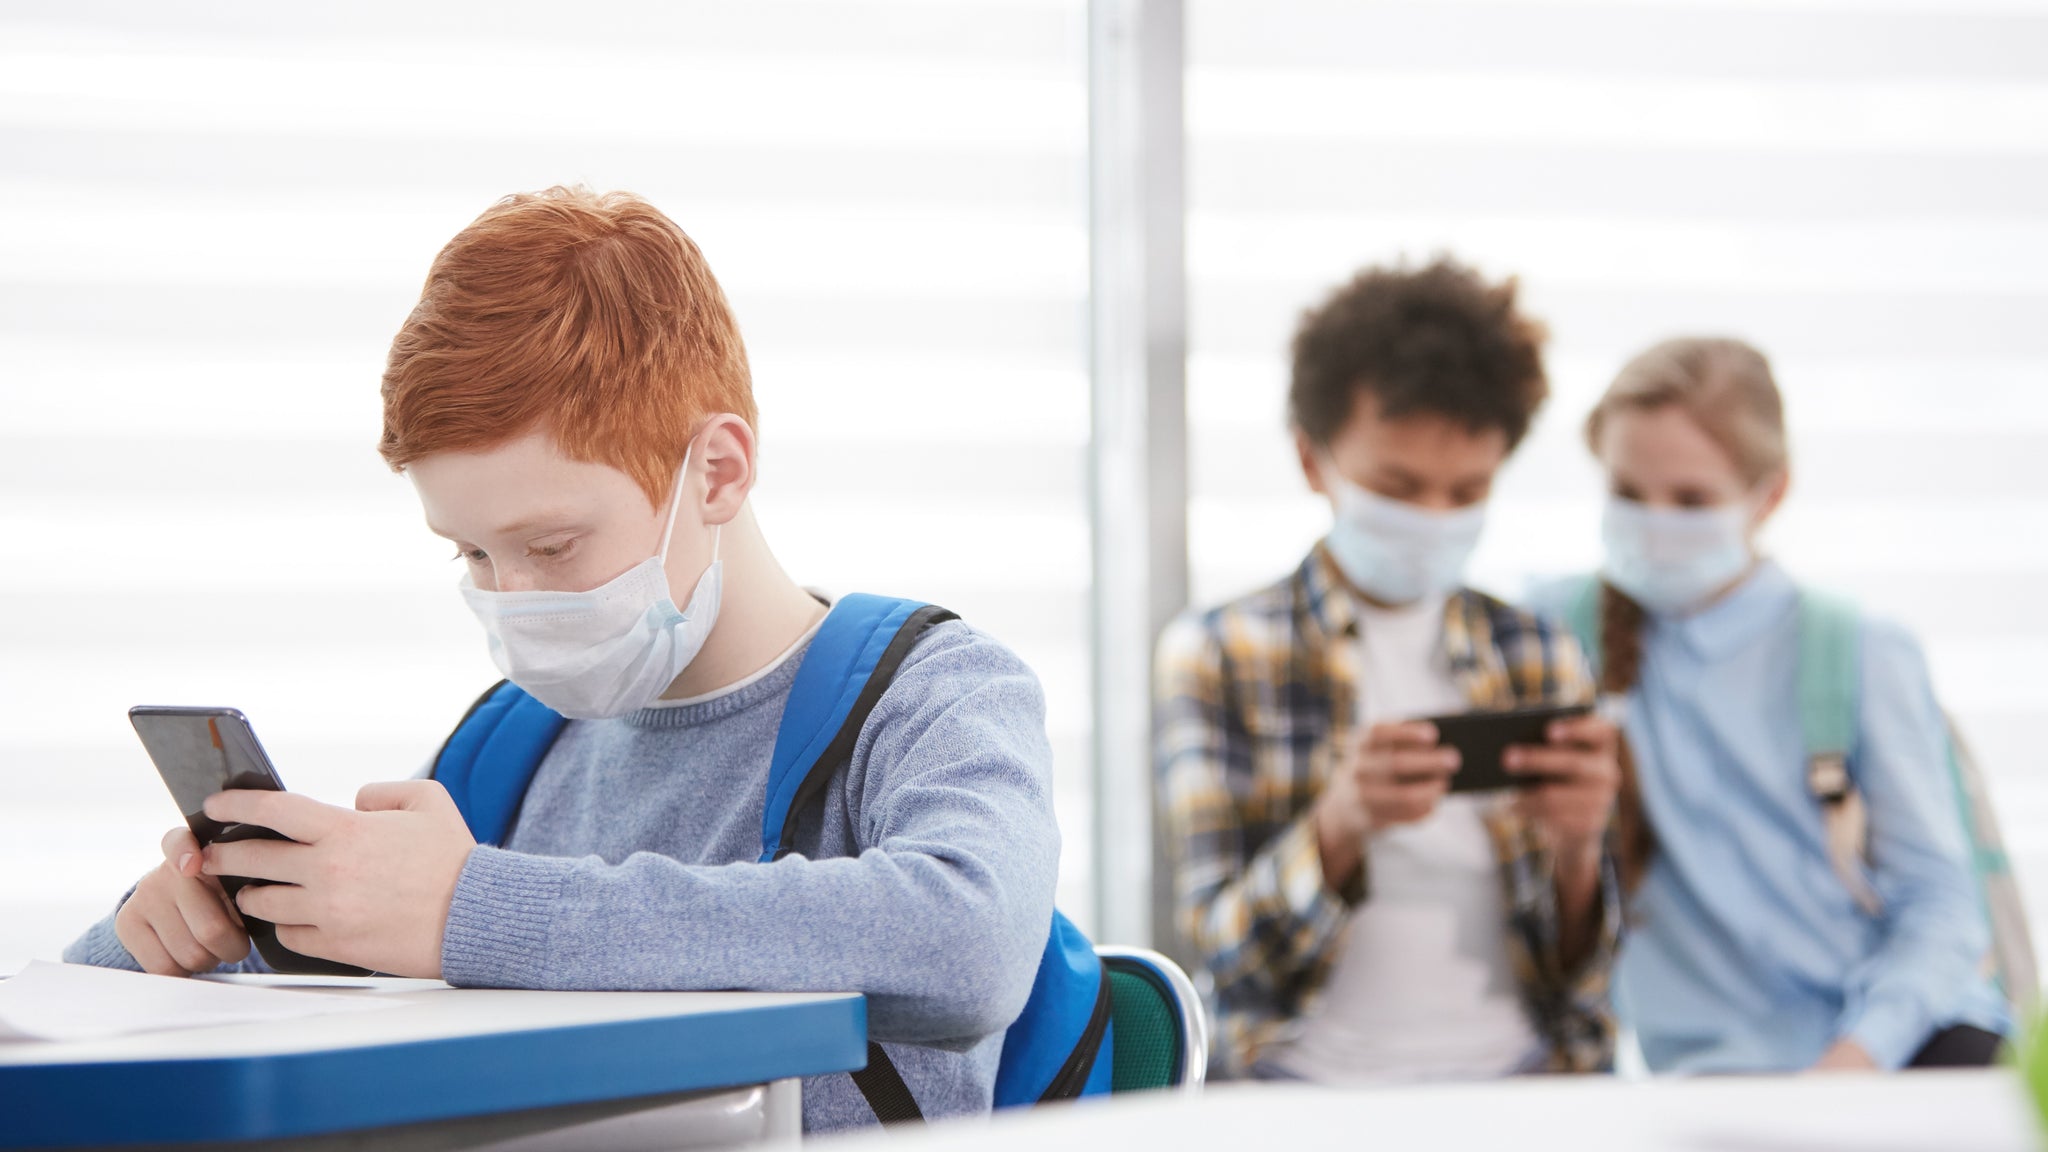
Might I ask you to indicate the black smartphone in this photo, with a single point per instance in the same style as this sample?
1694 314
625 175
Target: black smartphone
1481 738
200 751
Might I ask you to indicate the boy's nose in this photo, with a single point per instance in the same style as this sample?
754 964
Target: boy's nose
512 578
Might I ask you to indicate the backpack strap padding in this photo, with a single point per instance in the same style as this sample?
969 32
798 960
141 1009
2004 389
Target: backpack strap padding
2012 960
490 758
848 665
1830 669
1582 616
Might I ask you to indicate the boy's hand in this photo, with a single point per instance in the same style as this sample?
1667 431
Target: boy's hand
369 887
178 921
1579 771
1392 774
1845 1055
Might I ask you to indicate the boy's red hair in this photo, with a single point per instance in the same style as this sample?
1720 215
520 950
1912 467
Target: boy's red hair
589 316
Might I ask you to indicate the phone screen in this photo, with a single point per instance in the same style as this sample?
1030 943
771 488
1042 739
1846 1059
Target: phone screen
200 751
1482 737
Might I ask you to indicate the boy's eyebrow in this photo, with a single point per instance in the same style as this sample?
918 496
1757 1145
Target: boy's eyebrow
554 522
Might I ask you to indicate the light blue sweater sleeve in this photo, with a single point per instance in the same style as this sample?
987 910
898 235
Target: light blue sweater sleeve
1935 934
938 914
100 946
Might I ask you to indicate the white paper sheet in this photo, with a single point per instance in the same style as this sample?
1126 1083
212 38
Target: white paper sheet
48 1001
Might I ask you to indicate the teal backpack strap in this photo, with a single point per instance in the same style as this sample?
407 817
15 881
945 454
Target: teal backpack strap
1830 669
2011 963
1582 616
490 758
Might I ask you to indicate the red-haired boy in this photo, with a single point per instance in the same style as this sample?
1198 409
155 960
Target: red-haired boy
571 400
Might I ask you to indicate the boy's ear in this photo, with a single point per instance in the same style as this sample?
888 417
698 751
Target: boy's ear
1311 469
727 446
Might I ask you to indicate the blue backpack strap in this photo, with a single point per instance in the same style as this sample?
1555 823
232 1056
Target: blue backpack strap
845 670
847 667
1055 1049
490 758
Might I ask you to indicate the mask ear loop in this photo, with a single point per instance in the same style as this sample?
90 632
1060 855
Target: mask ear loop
675 505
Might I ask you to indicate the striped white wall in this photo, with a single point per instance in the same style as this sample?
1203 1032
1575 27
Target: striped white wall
1862 190
214 216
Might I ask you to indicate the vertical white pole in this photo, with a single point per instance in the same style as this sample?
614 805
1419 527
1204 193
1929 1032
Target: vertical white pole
1138 457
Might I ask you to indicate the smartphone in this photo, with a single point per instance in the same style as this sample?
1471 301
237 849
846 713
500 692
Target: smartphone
1481 738
200 751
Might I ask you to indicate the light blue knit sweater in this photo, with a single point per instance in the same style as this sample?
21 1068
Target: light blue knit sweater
925 880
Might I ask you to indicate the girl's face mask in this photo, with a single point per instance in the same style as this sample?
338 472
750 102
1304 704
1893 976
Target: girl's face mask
1673 560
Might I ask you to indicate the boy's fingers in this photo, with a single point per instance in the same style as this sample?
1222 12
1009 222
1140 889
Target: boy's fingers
275 860
213 884
1405 734
1584 731
184 948
278 903
206 917
390 795
300 817
1422 763
151 954
1551 760
178 844
305 939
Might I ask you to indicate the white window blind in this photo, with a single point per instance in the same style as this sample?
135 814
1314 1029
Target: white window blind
1859 189
216 216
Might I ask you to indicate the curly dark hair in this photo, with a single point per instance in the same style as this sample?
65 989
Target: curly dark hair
1436 339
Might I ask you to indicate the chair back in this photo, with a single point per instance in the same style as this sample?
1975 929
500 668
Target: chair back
1162 1029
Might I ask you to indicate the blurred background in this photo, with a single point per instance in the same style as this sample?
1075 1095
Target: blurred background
213 217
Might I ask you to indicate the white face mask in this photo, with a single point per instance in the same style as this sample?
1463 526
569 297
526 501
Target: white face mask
606 652
1395 552
1672 559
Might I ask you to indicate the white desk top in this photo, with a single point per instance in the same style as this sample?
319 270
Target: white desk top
1976 1111
447 1053
432 1010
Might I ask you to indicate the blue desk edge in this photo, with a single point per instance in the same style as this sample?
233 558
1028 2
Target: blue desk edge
286 1095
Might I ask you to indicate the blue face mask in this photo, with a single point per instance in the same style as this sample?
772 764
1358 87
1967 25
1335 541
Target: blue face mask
1395 552
1673 559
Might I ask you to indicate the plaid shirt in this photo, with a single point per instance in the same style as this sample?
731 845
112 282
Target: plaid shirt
1254 699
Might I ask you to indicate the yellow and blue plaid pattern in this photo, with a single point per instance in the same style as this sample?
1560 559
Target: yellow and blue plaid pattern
1254 698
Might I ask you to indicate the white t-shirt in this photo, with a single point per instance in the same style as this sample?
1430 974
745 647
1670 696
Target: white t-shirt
1422 988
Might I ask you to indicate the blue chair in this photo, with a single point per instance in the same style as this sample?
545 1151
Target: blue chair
1162 1029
